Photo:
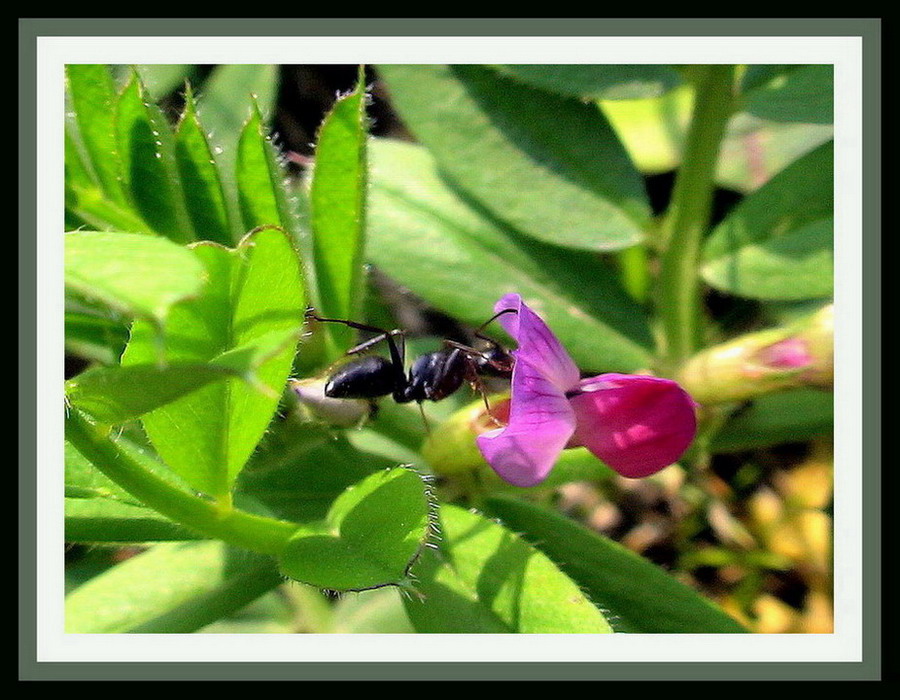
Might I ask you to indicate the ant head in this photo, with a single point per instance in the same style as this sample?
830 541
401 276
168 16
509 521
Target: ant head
495 361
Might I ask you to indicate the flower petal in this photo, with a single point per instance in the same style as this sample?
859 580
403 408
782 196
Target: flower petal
634 423
541 422
537 346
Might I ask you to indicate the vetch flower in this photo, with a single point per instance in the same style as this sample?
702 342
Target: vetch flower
635 424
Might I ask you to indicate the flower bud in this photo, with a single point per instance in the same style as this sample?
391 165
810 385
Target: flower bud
799 355
450 448
316 406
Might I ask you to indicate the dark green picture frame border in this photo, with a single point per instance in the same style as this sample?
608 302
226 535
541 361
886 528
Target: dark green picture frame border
868 29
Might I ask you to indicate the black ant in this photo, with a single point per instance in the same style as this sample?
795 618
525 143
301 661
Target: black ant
433 376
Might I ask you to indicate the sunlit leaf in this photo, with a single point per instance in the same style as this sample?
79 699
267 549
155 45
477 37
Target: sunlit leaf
371 535
486 579
783 229
638 595
337 208
796 265
602 82
550 166
139 275
147 149
428 239
254 296
177 587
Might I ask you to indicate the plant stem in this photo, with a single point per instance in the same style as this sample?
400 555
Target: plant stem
688 215
259 534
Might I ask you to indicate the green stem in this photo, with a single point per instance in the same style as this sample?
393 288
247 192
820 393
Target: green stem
264 535
688 215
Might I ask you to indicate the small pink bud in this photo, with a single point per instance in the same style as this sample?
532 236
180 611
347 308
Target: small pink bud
791 353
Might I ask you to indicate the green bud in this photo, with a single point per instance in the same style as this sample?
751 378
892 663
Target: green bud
450 448
799 355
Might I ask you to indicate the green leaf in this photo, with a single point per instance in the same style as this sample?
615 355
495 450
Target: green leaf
791 416
103 520
271 613
139 275
371 612
422 235
232 95
228 98
286 474
600 82
337 206
796 265
78 172
169 588
371 535
755 150
486 579
249 315
93 98
758 74
264 199
638 595
799 196
162 79
653 131
147 149
94 210
203 190
83 480
165 493
550 166
116 394
795 94
94 332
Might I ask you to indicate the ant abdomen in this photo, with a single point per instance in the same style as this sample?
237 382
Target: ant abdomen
365 378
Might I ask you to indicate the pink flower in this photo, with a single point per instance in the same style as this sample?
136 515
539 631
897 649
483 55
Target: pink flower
635 424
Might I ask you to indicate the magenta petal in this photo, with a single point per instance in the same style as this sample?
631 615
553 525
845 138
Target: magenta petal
537 346
541 421
636 424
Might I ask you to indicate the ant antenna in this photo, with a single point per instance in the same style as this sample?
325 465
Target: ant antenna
494 318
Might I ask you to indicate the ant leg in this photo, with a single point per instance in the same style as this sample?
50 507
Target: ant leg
473 378
424 418
365 345
479 387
